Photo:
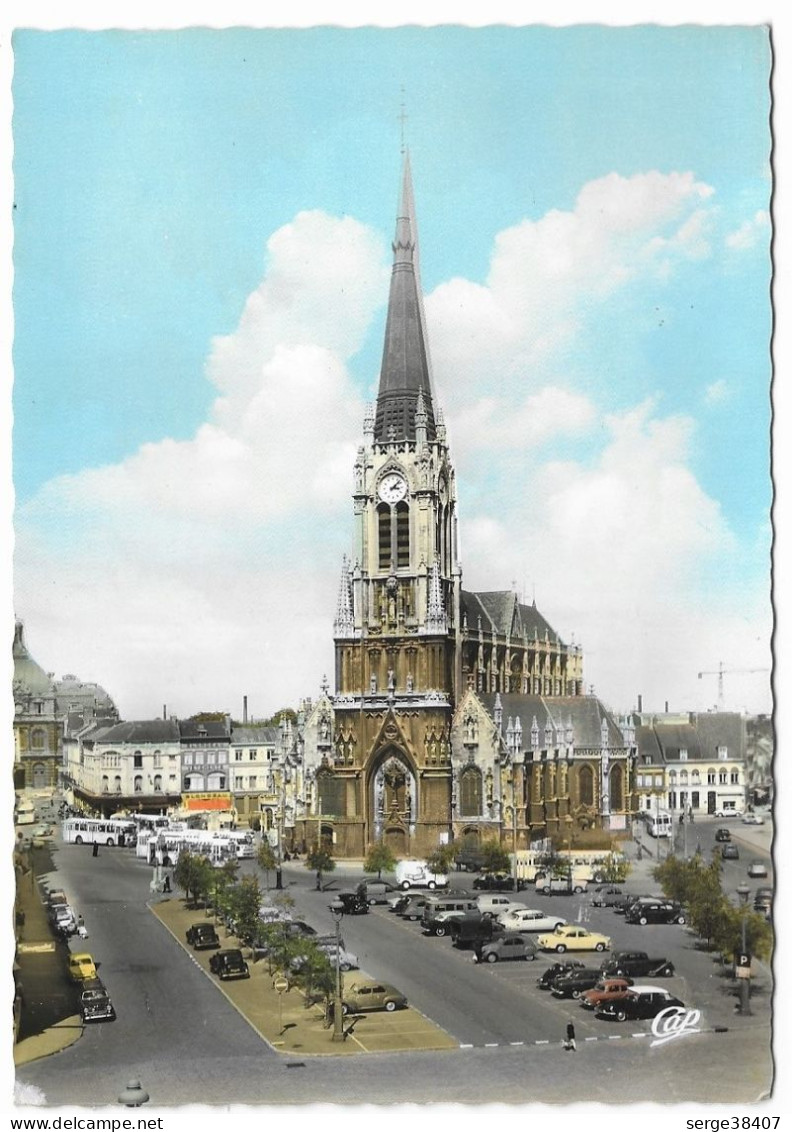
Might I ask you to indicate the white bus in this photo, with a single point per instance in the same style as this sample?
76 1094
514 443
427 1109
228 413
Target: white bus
164 848
582 864
242 840
25 812
101 831
659 824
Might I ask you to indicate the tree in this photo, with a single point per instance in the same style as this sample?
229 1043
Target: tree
223 883
319 860
379 860
266 859
245 904
494 858
440 859
194 874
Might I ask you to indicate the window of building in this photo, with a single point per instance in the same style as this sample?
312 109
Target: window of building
216 782
617 788
723 752
117 784
683 777
238 756
402 536
138 783
722 777
253 755
332 794
252 782
105 784
734 777
157 783
384 536
238 782
586 786
710 776
683 754
695 800
470 792
38 739
137 759
157 759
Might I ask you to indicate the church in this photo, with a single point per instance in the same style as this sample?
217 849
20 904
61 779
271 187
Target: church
456 715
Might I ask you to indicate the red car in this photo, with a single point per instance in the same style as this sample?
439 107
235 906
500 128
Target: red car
606 990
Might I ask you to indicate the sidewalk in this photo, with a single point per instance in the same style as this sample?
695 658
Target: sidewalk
284 1020
49 1021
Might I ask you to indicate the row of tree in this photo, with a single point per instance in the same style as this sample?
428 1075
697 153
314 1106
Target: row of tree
697 886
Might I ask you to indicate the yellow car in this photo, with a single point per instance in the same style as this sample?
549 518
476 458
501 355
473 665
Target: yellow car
570 937
82 967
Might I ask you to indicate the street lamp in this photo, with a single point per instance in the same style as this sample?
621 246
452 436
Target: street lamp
744 892
337 908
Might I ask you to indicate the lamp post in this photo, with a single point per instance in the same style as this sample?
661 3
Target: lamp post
337 908
744 892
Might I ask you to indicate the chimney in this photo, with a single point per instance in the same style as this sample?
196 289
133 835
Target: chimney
244 709
666 707
640 703
164 711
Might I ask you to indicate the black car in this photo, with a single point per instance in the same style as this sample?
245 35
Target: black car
573 983
637 1003
202 937
551 973
229 964
637 964
730 853
495 882
655 912
723 835
355 903
606 895
95 1004
472 929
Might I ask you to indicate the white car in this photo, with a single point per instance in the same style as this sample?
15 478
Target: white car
530 920
753 819
728 813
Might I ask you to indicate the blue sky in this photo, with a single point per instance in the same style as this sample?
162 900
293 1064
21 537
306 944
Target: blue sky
202 226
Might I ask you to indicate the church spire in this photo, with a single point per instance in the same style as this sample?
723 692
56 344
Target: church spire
405 358
344 625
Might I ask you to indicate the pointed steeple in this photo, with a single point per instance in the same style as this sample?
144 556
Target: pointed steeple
436 620
405 358
344 625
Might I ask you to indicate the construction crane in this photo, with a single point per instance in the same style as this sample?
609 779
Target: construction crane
720 672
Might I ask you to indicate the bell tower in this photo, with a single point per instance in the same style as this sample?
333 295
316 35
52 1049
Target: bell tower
397 621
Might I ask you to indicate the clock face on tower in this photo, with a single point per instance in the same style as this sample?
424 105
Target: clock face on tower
392 488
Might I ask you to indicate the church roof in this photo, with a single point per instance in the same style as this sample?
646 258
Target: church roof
501 613
405 368
583 713
28 675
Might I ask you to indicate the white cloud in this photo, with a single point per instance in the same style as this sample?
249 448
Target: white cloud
716 392
749 234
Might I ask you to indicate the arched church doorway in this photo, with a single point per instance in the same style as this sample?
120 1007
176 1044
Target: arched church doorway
393 799
39 776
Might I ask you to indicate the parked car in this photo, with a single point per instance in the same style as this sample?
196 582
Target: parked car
551 973
605 895
81 967
95 1004
417 874
730 852
375 891
570 937
636 964
655 912
722 834
355 904
398 903
511 945
472 928
413 909
361 997
63 920
621 904
757 869
574 983
529 920
495 904
439 911
562 886
639 1002
605 990
728 813
346 960
753 819
229 964
495 882
202 937
763 900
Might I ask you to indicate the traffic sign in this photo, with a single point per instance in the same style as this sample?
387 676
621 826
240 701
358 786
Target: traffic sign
742 965
281 984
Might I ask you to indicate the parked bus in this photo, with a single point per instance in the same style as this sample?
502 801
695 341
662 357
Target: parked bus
659 824
101 831
25 812
166 845
582 864
242 840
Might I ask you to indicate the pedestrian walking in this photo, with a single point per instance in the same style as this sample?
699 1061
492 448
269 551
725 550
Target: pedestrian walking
570 1042
95 849
166 885
82 931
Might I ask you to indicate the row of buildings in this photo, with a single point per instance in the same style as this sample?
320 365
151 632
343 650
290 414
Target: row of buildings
455 714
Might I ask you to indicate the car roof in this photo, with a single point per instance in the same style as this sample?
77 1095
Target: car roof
81 957
644 988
